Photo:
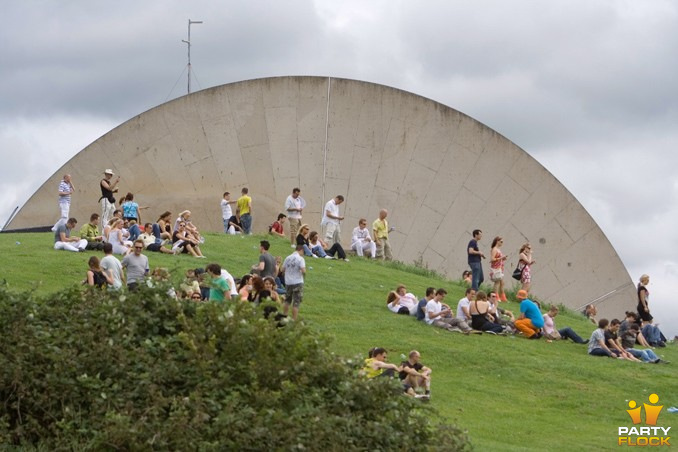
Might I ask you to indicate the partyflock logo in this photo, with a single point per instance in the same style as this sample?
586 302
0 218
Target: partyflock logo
650 434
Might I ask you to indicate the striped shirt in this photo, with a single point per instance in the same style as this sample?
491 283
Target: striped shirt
64 187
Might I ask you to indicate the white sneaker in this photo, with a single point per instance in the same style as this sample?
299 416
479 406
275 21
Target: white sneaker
346 260
314 256
329 257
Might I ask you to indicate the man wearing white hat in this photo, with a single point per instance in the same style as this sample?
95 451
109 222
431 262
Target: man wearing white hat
108 187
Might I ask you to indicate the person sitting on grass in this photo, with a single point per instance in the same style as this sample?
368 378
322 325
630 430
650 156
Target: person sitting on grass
320 248
591 312
628 341
277 227
479 311
95 276
393 304
614 344
269 284
415 375
151 242
219 290
421 306
63 239
245 287
499 315
376 365
530 321
406 300
440 315
597 345
550 331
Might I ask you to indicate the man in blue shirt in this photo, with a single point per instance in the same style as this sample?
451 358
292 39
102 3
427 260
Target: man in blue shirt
474 257
530 321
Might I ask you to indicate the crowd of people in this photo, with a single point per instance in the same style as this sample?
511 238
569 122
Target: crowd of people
282 282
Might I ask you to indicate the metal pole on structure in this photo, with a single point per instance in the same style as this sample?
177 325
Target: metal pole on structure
189 50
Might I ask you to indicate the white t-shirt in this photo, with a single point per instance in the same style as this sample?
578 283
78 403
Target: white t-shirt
333 208
226 211
410 302
112 263
463 303
293 265
393 307
294 203
432 306
231 282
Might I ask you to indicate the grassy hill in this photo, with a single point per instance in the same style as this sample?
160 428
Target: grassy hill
508 392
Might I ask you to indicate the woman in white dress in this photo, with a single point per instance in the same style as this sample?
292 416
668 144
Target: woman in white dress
116 239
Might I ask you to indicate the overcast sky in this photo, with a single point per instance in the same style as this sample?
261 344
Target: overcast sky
587 87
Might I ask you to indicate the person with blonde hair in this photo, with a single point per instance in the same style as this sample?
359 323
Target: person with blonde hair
497 260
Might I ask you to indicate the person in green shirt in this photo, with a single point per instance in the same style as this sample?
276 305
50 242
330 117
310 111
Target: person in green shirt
90 232
219 288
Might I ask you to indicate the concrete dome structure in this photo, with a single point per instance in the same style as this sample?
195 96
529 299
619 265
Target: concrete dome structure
440 174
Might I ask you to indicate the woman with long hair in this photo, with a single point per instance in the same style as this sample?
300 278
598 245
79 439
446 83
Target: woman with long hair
497 260
525 264
165 225
95 276
245 287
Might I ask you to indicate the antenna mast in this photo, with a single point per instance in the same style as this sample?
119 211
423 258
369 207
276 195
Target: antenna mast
189 50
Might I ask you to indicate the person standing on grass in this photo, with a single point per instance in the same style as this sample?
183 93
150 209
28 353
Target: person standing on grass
244 211
530 321
380 230
136 265
294 206
331 220
111 265
108 187
294 268
65 191
497 259
226 211
474 259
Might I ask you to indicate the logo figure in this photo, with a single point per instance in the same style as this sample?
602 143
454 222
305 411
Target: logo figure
651 411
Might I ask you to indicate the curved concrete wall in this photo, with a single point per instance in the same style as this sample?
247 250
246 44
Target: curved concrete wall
440 174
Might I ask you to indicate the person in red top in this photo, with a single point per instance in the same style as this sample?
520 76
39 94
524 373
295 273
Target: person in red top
277 226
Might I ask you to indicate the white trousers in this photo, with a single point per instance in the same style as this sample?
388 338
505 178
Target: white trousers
361 247
80 245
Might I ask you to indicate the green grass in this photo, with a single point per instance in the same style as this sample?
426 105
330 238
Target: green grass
508 392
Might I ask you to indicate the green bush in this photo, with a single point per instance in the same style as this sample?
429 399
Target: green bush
139 371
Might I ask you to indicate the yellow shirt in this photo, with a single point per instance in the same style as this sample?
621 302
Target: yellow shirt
381 228
371 372
243 204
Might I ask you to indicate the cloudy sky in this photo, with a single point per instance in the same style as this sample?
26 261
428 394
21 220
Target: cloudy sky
587 87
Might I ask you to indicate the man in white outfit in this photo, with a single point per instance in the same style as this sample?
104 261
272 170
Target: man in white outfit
331 220
361 240
65 191
294 207
63 239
